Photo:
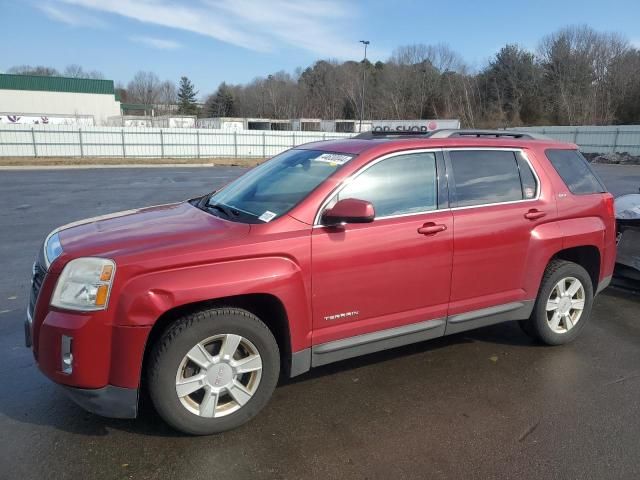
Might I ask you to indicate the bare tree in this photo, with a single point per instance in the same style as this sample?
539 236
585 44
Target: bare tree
39 70
167 96
76 71
144 88
576 62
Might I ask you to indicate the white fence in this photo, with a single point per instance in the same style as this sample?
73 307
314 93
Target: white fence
75 141
67 141
605 139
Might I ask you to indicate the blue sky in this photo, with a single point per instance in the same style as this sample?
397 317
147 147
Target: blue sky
237 40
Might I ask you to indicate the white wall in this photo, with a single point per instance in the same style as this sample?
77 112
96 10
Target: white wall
595 139
78 120
71 141
100 106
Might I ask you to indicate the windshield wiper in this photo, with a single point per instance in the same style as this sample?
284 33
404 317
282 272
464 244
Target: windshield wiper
220 208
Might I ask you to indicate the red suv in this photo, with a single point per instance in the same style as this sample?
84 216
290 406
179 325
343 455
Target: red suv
327 251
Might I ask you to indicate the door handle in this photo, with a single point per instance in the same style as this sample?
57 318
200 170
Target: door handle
431 228
534 214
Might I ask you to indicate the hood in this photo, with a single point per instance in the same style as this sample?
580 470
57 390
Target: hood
174 227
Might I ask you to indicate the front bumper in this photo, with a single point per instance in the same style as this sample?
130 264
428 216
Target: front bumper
109 401
95 360
104 376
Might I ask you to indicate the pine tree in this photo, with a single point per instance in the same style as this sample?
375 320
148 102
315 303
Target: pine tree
221 103
187 97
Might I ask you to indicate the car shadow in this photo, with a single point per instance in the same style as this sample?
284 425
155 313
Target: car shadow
507 333
37 401
624 288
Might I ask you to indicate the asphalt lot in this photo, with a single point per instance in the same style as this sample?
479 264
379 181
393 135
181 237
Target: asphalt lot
483 404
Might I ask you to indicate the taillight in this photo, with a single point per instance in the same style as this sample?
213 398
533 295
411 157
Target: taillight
609 204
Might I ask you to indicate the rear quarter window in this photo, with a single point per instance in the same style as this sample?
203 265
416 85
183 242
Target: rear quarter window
575 172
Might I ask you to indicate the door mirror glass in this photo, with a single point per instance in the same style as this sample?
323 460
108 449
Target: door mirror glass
349 210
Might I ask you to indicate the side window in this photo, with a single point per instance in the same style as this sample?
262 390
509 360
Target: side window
575 171
485 176
528 180
399 185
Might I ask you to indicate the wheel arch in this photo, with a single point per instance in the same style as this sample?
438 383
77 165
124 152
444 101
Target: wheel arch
587 256
267 307
578 240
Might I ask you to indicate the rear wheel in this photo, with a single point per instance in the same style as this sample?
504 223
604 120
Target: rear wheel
213 370
563 305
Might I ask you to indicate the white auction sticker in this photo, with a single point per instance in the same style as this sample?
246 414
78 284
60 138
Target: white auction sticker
267 216
333 158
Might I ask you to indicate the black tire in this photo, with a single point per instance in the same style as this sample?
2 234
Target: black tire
537 326
185 333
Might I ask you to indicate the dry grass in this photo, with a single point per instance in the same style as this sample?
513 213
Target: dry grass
75 161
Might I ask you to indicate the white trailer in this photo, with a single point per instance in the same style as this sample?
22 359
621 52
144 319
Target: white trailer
228 124
306 124
175 121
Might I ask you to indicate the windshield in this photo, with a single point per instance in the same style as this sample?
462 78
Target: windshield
275 187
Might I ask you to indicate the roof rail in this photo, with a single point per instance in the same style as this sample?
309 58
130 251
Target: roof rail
450 133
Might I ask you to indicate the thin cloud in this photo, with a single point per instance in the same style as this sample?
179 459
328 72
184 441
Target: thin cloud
159 43
174 15
75 19
315 25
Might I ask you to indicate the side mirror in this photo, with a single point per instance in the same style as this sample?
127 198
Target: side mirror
349 210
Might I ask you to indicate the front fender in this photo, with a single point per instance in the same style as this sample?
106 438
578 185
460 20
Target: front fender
144 298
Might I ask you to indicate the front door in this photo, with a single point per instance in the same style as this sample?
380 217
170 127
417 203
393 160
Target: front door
394 271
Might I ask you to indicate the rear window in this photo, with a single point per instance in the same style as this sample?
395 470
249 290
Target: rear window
488 176
575 171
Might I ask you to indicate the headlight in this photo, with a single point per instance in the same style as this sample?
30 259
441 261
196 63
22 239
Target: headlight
85 284
52 248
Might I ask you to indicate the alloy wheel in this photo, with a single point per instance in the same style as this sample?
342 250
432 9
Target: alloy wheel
565 305
219 375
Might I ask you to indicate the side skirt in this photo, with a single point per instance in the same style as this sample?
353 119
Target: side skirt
489 316
342 349
373 342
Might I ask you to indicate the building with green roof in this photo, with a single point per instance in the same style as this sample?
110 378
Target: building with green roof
57 100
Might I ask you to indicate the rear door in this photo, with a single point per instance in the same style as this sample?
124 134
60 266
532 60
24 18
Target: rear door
381 275
496 204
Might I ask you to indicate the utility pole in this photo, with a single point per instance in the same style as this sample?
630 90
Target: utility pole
364 79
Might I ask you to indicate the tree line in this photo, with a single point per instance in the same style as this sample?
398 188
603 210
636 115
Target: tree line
575 76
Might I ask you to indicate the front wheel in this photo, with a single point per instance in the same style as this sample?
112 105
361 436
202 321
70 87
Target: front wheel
563 305
213 370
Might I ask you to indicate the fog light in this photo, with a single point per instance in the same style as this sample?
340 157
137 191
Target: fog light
66 354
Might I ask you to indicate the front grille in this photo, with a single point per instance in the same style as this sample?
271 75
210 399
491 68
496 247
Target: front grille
36 284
